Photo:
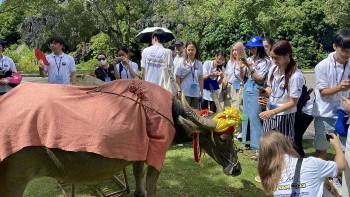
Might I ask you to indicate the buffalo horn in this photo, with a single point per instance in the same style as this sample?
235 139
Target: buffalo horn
216 100
195 118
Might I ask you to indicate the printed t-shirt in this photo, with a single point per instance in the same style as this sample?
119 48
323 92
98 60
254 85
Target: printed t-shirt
312 174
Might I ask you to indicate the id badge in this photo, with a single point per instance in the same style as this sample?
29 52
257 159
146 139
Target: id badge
59 78
236 84
194 88
249 86
272 107
107 79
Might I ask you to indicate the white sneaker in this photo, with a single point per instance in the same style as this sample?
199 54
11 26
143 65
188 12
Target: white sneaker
336 184
239 136
179 145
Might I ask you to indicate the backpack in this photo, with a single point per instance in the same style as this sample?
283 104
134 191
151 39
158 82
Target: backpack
304 97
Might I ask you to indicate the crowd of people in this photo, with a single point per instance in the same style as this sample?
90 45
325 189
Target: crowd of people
266 86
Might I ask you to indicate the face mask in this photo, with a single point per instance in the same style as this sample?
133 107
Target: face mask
103 62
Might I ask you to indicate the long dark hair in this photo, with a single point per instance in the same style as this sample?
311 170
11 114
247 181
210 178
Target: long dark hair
261 52
282 48
197 56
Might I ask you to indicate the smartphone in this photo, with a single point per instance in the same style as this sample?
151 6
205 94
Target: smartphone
261 90
328 137
243 59
118 59
219 68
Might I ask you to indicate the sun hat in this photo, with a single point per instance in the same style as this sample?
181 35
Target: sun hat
255 41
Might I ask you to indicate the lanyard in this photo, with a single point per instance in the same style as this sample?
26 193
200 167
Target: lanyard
105 71
58 65
234 71
336 75
193 69
275 89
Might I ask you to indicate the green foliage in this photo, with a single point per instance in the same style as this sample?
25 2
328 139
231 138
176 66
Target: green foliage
24 58
213 24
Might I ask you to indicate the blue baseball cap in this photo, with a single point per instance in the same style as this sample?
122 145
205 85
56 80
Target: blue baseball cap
2 44
255 41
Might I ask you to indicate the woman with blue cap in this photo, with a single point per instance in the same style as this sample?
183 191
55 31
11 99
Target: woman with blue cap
256 69
7 67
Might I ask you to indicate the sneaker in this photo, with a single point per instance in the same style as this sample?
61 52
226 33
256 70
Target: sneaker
336 184
239 136
179 145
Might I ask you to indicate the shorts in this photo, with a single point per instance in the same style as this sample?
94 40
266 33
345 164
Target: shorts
325 125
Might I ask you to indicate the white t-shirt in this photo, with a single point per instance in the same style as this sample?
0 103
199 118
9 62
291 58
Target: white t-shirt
192 73
153 61
125 74
261 67
208 67
6 63
329 75
279 94
232 71
177 60
60 68
312 174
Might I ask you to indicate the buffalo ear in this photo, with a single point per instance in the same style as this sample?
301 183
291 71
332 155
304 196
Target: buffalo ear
189 126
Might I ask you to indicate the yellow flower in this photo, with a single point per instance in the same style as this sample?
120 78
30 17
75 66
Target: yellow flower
230 117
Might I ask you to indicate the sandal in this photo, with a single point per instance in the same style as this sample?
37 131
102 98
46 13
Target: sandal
246 147
254 157
257 179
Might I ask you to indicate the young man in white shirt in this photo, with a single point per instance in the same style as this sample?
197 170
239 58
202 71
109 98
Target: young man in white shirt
332 83
154 59
61 68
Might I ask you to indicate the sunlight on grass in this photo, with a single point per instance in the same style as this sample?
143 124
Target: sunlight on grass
181 176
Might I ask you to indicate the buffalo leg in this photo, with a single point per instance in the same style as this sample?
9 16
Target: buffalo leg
151 181
138 170
10 183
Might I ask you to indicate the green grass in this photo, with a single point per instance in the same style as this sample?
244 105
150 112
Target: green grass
180 176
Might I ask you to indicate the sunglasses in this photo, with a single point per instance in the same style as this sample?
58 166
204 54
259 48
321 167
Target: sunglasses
99 59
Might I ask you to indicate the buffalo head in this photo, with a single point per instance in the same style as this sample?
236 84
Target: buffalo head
219 147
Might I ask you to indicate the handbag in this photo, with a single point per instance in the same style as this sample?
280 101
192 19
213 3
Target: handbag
13 78
169 82
340 126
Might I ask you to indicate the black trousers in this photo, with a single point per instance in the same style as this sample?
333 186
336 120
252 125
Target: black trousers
205 105
302 122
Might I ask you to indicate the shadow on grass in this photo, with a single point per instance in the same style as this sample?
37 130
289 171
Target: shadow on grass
180 176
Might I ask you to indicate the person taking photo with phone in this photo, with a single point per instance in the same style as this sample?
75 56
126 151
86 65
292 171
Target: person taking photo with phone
284 87
279 172
105 71
213 76
126 68
332 83
256 68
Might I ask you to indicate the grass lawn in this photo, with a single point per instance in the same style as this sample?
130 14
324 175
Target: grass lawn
180 176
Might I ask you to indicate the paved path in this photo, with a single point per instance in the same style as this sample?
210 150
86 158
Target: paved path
310 82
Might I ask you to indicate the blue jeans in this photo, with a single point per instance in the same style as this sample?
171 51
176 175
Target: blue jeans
251 109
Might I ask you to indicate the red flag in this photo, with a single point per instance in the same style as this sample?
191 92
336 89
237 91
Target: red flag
41 56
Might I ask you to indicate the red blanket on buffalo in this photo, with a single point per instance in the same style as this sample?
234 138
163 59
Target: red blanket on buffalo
124 119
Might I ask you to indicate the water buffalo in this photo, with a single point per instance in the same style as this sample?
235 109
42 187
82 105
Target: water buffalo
49 132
